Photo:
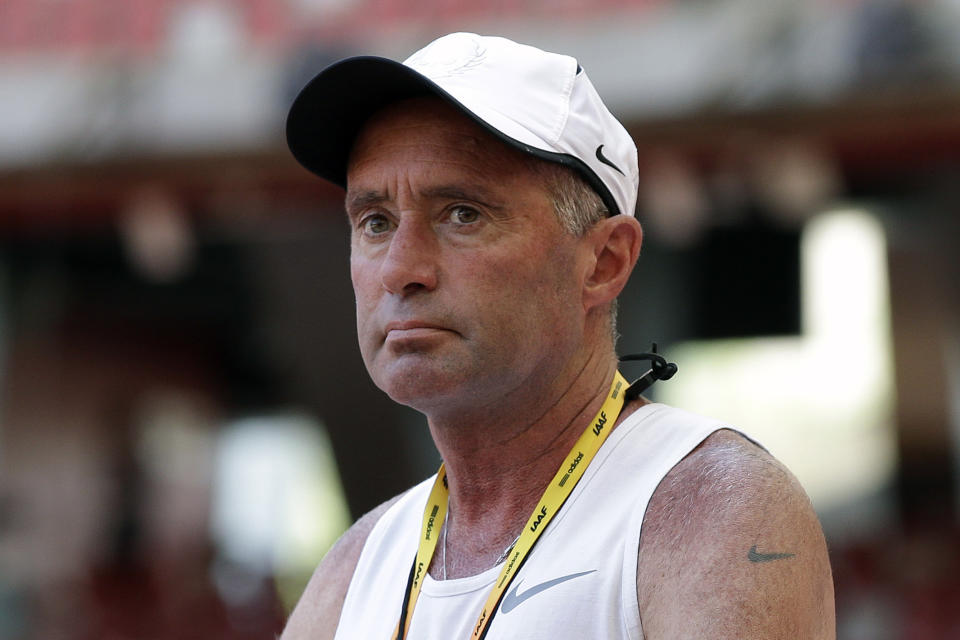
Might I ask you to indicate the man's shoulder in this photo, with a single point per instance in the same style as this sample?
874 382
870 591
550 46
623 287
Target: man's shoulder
726 474
730 531
318 612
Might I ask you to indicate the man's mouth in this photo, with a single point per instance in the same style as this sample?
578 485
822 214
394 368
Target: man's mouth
411 330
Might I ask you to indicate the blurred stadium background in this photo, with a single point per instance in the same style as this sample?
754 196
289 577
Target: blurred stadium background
185 422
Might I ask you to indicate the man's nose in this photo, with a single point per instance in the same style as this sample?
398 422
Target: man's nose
410 263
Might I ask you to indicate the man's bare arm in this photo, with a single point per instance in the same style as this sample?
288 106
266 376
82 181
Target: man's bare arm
318 612
731 548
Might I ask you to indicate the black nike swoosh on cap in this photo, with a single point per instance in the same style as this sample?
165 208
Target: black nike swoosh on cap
602 158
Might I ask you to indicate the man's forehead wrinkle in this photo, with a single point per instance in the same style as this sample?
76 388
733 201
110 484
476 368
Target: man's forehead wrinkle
454 172
465 191
359 199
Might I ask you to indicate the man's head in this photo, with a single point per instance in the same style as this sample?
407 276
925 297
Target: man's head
468 284
479 261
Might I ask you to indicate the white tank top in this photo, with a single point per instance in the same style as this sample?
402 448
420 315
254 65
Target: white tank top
580 580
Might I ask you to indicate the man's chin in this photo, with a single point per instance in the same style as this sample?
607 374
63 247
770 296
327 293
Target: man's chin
419 382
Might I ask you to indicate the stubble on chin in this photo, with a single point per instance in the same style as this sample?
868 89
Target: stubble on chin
435 380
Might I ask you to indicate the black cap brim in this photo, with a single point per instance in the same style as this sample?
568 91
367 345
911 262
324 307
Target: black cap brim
329 112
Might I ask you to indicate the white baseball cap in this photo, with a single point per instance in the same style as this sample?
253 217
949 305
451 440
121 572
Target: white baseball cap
537 102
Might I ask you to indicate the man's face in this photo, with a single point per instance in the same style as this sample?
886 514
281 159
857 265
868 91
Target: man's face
467 288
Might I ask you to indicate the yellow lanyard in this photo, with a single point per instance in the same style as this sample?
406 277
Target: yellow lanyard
552 500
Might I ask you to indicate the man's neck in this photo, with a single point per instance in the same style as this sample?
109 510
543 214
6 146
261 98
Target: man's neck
500 460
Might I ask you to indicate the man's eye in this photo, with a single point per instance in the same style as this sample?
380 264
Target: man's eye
464 215
375 225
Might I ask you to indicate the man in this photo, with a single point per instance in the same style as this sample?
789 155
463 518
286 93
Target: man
491 195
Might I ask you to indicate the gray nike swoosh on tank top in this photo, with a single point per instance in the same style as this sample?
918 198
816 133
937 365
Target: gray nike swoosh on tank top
512 599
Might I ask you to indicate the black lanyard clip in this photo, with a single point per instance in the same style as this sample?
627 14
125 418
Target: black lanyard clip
660 369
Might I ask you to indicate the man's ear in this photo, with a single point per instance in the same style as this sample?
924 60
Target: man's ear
616 245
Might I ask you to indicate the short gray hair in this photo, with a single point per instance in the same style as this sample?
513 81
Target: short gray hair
577 205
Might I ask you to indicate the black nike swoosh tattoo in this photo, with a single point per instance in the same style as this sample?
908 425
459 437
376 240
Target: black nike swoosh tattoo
754 556
602 158
512 599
